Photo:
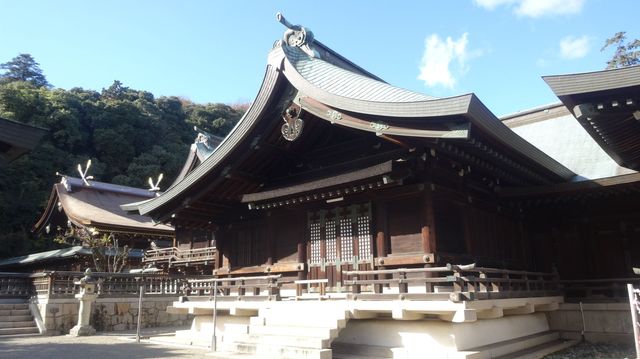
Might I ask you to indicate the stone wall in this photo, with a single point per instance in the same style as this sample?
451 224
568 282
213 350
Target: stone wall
603 322
109 314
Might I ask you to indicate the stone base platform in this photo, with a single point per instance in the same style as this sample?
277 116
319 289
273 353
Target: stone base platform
377 329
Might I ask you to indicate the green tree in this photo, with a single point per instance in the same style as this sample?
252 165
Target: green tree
128 134
627 53
23 68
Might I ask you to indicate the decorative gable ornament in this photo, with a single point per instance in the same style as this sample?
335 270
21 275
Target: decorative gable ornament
298 36
293 124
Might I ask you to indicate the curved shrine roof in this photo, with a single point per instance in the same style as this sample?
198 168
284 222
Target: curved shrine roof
98 205
334 89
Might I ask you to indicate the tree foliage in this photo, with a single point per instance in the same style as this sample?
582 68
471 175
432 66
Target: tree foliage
627 53
106 252
128 134
23 68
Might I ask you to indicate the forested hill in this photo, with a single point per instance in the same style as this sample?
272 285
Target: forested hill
128 134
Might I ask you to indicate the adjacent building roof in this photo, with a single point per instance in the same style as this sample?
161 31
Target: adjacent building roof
202 147
98 205
58 254
607 104
553 129
17 139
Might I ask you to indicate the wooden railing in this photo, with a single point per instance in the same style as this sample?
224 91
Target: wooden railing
453 282
248 288
14 285
174 256
63 284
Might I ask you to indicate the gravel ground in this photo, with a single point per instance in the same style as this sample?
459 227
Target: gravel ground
93 347
595 351
119 345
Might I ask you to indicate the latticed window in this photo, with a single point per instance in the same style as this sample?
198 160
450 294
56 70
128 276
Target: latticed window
346 240
330 243
343 230
364 237
316 244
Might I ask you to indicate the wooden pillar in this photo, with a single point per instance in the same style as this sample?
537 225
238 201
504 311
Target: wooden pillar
382 229
468 214
428 230
271 250
382 237
217 257
303 238
302 251
428 223
624 237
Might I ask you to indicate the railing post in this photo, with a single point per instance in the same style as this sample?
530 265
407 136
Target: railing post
241 288
50 283
214 341
457 287
139 311
403 286
483 284
355 288
274 286
634 305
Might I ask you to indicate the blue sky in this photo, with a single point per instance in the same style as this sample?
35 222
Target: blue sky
215 51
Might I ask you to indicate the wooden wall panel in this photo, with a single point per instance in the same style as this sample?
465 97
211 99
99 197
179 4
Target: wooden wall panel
405 225
289 230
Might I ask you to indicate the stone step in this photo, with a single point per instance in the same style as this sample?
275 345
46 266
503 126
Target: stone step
541 350
278 351
324 322
8 312
357 351
506 348
16 318
11 306
285 341
13 331
354 356
304 311
17 324
322 333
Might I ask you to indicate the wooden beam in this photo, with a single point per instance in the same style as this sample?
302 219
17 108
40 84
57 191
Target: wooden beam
373 125
401 260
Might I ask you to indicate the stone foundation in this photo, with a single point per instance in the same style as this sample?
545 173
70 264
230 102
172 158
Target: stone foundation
108 314
603 322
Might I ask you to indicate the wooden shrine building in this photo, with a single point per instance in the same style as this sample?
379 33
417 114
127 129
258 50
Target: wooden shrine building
405 208
92 206
333 169
17 139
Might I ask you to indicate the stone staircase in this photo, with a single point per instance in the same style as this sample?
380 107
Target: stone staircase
291 330
16 318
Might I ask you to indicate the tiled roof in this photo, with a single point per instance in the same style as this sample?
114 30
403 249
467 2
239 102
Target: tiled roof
341 82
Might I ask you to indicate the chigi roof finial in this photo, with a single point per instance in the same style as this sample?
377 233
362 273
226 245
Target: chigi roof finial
297 36
83 174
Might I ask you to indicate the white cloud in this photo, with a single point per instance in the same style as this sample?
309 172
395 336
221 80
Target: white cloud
574 47
535 8
492 4
442 58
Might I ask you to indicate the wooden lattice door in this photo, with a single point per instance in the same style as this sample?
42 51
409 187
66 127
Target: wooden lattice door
339 239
